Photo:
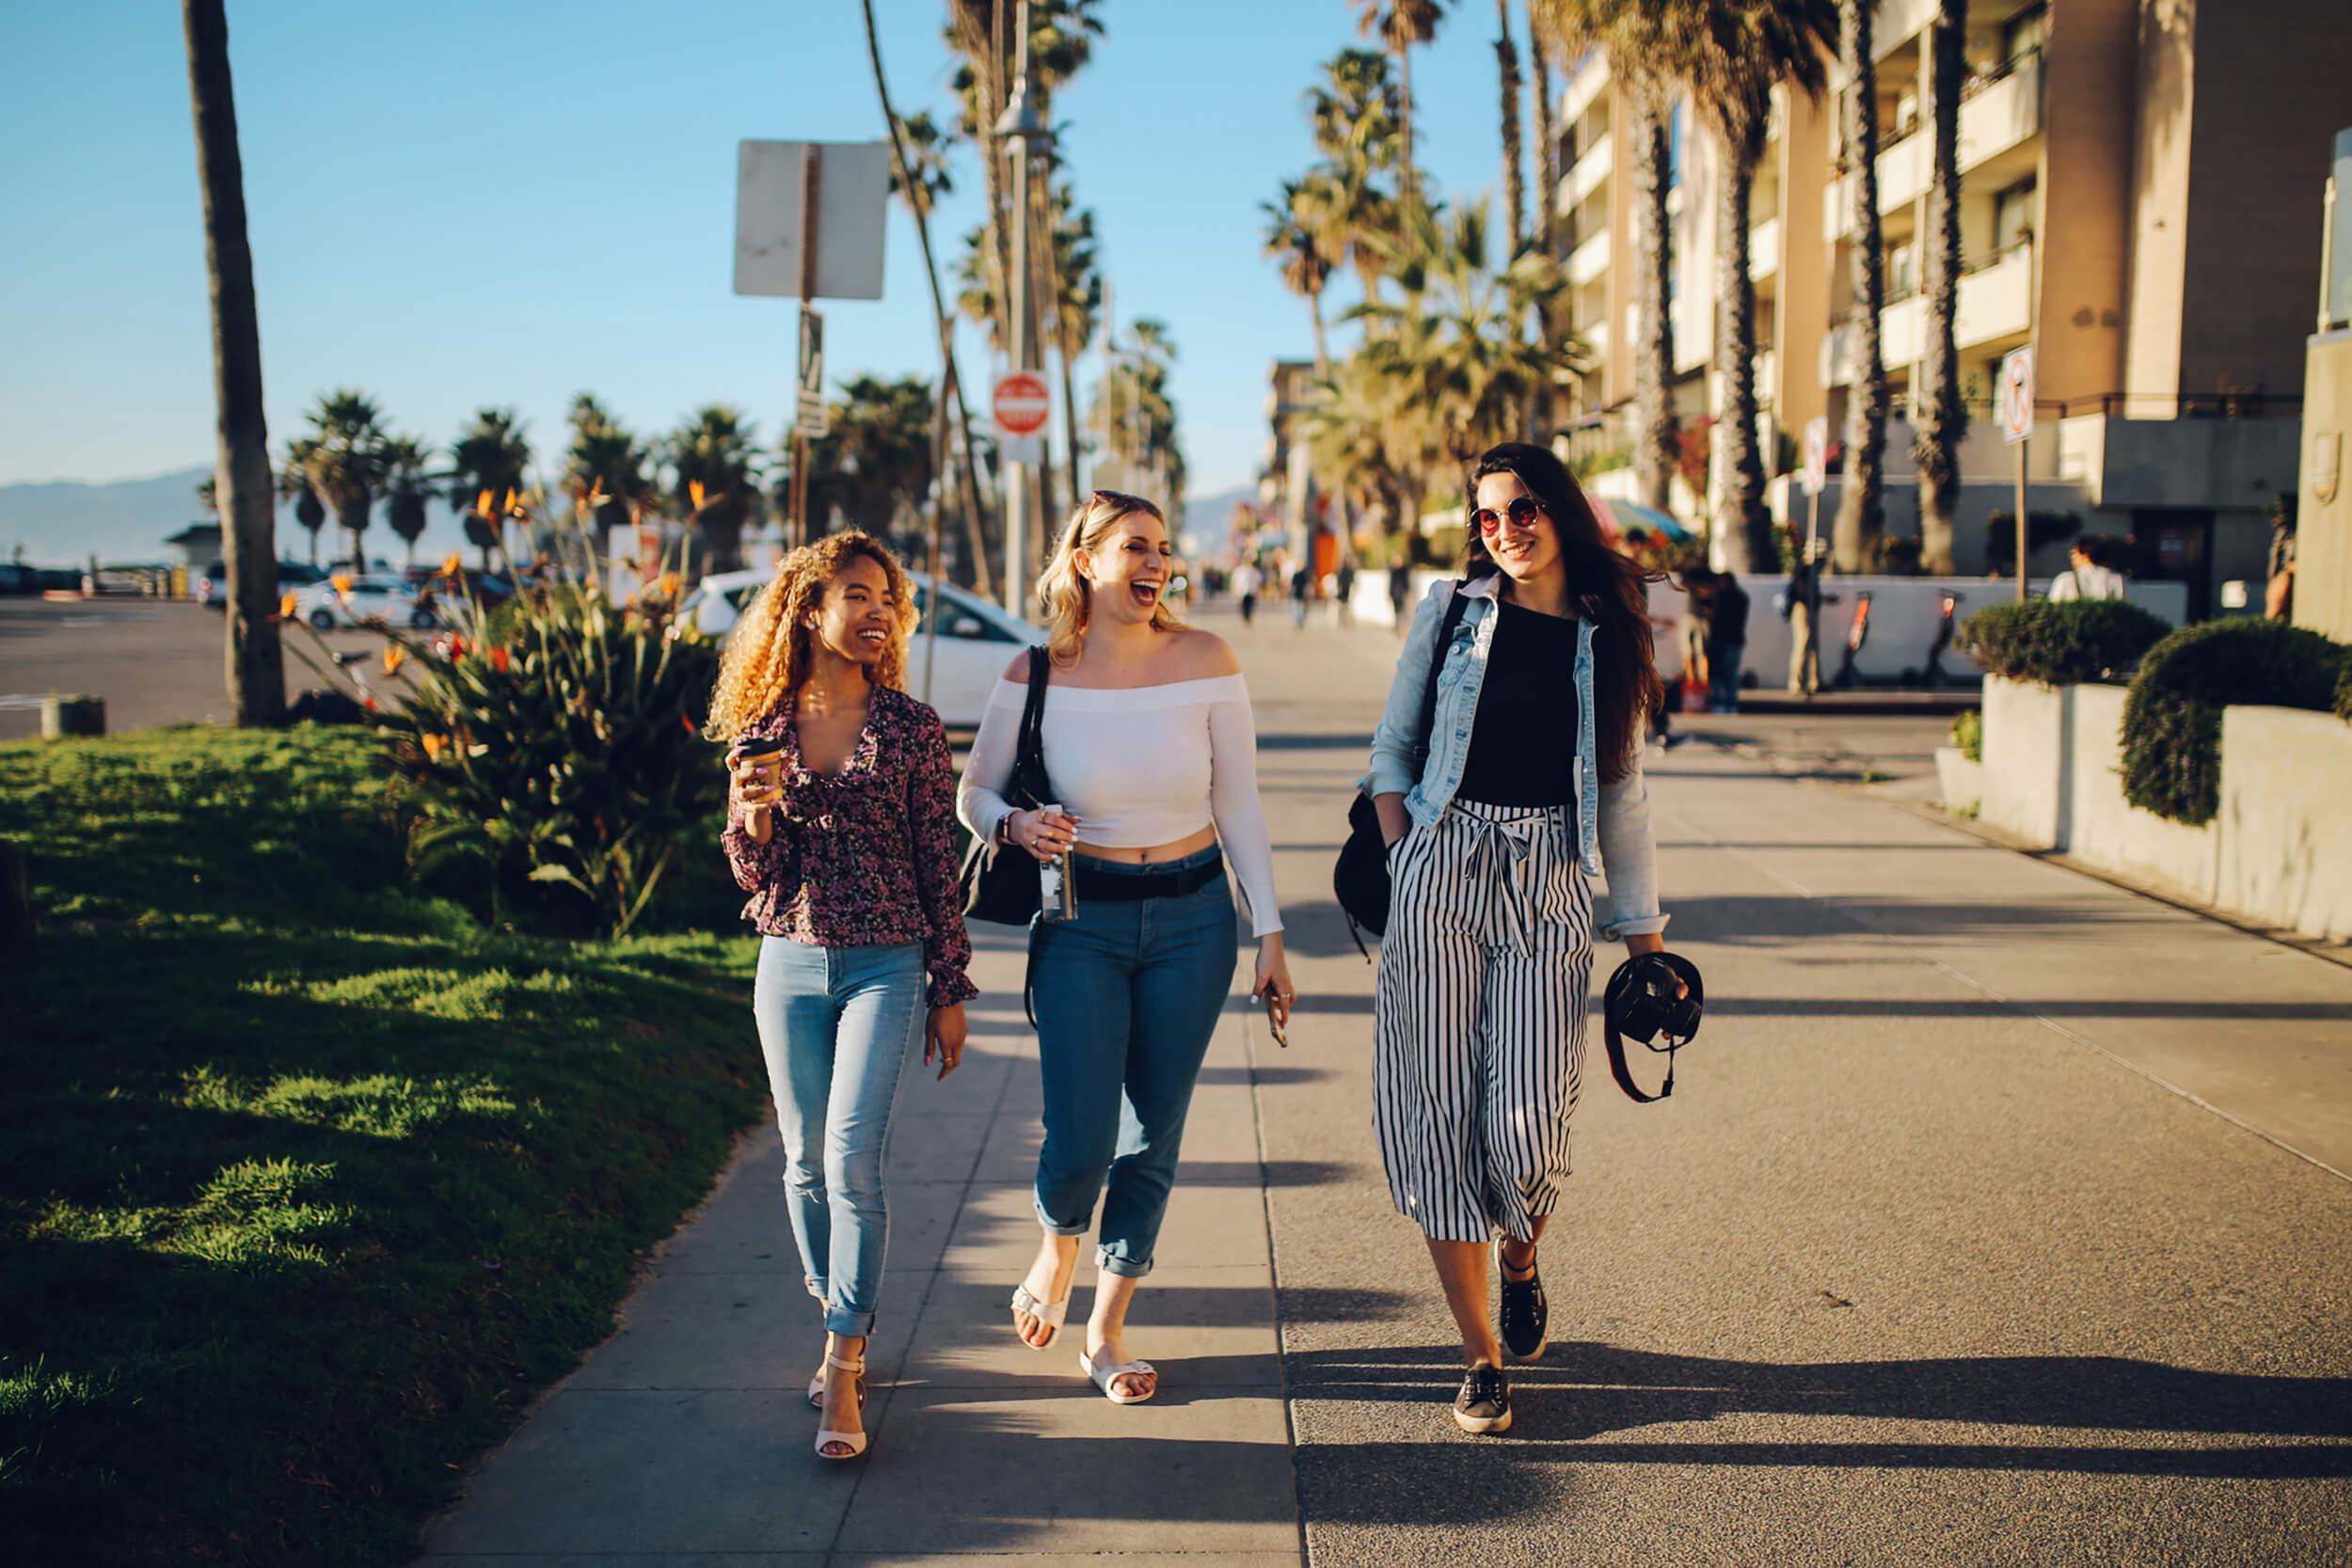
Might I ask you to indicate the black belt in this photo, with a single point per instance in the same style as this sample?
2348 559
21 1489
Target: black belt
1111 887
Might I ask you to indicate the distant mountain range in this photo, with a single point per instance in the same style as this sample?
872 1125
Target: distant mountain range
126 522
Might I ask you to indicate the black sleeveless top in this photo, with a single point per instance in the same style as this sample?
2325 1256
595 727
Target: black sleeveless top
1522 749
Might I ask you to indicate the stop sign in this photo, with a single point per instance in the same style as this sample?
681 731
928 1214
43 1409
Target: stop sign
1021 404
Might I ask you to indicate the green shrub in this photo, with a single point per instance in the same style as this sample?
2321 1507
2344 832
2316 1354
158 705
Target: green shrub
1898 556
2173 718
2063 644
557 745
1969 733
2344 691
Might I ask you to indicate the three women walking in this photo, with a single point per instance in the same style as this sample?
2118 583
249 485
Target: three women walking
1527 784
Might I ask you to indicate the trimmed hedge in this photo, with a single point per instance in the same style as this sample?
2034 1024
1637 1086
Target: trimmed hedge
2172 717
2063 644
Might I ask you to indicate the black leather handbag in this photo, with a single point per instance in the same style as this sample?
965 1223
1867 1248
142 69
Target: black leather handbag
1000 881
1360 878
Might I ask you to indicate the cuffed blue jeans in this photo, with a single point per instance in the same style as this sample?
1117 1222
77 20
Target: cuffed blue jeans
1127 997
836 1024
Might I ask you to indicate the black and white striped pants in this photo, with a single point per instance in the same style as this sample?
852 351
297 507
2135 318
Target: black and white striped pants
1479 1028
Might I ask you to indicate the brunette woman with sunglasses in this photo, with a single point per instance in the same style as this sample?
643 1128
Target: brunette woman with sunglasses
1531 783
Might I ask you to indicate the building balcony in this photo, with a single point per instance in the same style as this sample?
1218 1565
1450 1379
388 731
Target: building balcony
1764 250
1584 88
1995 303
2000 113
1590 172
1590 259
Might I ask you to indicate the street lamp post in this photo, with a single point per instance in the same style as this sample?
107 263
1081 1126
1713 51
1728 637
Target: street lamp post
1027 134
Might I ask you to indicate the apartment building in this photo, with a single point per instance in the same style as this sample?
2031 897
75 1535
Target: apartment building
2139 197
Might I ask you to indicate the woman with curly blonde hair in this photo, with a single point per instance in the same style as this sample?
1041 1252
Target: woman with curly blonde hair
841 827
1151 748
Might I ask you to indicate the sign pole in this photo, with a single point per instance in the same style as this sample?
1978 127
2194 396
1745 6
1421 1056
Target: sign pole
810 157
2021 522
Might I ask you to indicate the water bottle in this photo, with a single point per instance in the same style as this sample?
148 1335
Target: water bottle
1056 895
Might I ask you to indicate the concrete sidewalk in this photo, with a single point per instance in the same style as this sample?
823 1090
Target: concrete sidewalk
1984 1227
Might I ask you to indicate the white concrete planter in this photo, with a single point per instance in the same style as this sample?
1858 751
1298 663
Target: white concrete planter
1962 780
2285 822
2025 757
2105 830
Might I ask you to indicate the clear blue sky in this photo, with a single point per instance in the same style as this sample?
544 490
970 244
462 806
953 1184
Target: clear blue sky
509 201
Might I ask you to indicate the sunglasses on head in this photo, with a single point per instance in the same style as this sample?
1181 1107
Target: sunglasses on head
1523 510
1124 501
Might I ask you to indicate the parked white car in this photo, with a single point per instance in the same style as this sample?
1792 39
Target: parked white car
369 598
977 639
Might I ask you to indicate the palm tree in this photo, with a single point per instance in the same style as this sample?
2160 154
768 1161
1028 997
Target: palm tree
1546 136
716 466
253 657
1354 113
1734 54
873 468
1365 430
1514 181
407 489
1136 412
1941 417
1860 493
294 484
1399 24
1455 343
920 177
1073 304
1293 241
489 466
605 462
1639 42
346 463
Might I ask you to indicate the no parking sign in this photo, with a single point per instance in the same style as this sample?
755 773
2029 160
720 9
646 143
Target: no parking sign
2017 394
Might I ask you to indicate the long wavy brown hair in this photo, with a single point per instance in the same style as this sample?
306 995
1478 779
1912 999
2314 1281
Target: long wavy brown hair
1609 589
768 655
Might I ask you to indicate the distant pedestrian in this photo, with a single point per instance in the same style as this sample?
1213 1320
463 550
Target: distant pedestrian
1152 757
1726 640
1302 589
1247 582
1531 783
2091 574
841 826
2279 581
1802 605
1400 587
1344 597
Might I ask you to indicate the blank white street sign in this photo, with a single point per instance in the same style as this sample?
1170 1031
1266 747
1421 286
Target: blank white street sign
852 203
1815 473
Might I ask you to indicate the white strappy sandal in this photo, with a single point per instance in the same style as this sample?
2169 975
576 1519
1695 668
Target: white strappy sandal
1052 1314
826 1437
817 1391
1105 1376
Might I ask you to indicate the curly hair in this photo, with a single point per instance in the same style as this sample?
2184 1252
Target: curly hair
768 654
1608 587
1063 595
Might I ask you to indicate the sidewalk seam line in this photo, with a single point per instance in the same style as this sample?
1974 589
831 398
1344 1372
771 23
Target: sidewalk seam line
1274 1278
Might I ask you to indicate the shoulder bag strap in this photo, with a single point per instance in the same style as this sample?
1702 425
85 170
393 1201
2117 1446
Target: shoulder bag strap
1455 606
1032 743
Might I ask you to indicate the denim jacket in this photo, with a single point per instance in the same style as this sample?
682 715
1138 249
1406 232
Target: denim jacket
1613 820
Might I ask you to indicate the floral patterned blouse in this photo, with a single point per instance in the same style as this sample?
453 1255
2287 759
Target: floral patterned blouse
865 857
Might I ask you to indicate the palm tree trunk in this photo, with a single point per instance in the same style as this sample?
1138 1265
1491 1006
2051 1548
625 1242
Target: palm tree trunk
1514 183
1742 521
254 661
1860 493
1314 313
1945 418
1655 447
1547 143
353 516
949 384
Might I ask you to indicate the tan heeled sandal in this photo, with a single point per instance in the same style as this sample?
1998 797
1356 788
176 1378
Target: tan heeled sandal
826 1437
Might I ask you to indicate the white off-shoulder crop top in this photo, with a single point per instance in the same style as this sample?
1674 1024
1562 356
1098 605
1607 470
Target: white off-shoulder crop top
1138 766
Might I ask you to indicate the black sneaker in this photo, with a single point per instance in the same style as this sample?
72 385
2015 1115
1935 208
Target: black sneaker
1524 1312
1484 1403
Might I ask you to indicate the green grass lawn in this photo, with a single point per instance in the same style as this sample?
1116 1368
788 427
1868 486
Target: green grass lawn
307 1181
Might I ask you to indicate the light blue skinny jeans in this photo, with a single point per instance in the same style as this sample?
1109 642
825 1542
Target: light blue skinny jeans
836 1024
1127 997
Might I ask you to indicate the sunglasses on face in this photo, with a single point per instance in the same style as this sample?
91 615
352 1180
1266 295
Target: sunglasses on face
1523 510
